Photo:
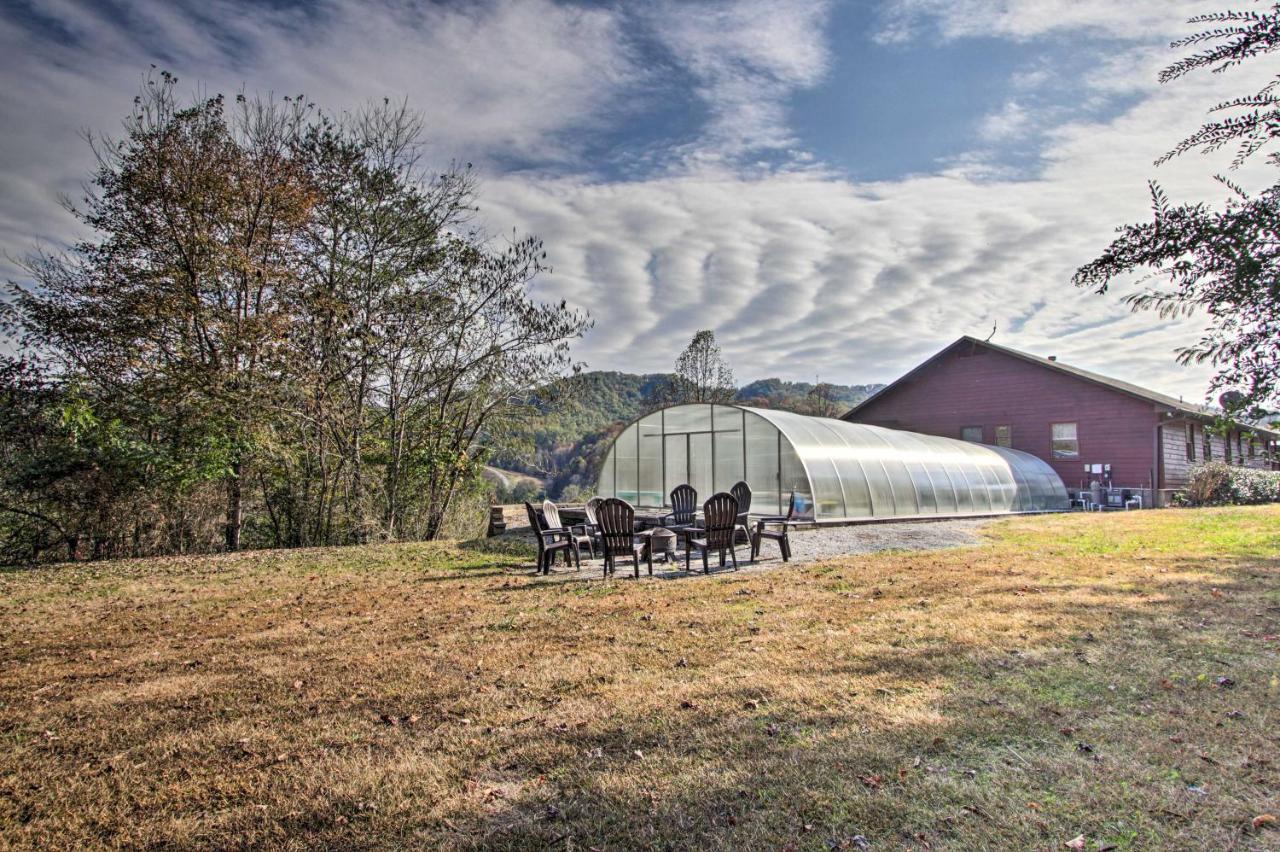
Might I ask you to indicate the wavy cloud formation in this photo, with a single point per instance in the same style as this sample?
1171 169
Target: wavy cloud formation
800 270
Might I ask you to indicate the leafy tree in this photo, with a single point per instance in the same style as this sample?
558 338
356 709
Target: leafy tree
179 306
701 372
1225 261
285 308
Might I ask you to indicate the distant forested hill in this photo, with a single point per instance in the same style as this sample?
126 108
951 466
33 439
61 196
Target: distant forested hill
798 396
578 417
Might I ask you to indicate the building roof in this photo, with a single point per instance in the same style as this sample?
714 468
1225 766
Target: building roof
1173 404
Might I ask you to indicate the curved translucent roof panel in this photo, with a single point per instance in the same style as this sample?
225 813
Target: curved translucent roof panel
842 470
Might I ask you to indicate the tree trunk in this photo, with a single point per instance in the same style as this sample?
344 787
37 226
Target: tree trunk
235 508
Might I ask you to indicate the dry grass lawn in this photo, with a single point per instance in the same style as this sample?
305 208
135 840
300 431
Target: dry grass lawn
1116 677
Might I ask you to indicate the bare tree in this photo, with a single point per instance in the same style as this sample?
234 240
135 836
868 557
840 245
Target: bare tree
821 401
701 372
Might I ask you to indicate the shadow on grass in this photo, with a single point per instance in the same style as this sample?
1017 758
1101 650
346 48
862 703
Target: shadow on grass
1080 732
820 721
592 572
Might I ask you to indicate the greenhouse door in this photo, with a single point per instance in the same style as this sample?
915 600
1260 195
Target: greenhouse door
675 463
700 464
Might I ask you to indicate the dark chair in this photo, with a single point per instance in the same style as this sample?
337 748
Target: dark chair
577 535
780 535
741 492
618 535
718 532
684 508
550 542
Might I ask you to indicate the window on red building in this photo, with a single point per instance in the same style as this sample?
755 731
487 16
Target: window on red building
1004 436
1066 442
971 433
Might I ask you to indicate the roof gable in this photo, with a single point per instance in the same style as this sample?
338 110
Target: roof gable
1155 398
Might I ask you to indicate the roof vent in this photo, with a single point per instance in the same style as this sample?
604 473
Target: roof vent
1053 357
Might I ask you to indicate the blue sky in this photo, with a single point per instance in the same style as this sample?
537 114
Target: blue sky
838 189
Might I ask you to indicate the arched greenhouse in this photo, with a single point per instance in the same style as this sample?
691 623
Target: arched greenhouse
845 471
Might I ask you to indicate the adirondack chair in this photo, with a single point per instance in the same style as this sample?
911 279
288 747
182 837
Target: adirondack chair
741 492
780 535
618 535
684 507
550 542
592 524
576 534
718 532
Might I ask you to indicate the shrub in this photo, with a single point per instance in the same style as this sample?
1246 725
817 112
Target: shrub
1219 484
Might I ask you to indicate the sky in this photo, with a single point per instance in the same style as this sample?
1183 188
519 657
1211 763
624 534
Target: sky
837 189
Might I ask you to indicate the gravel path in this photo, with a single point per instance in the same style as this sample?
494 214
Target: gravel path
813 545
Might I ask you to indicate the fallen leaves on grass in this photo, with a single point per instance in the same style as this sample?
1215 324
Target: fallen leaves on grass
847 686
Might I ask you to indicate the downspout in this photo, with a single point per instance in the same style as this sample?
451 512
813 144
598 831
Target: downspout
1157 473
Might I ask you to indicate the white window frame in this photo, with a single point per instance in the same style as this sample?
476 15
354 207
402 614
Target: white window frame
1054 440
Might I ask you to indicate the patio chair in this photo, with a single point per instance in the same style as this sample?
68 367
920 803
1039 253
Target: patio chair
618 535
780 535
718 533
550 542
741 492
577 535
591 526
684 508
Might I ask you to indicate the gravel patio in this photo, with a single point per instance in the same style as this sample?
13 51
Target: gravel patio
807 545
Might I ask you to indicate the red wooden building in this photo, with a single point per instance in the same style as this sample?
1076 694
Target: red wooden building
1086 426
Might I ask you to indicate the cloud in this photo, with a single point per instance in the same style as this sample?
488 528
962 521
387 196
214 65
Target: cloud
500 81
800 270
746 59
503 79
903 20
1012 121
810 273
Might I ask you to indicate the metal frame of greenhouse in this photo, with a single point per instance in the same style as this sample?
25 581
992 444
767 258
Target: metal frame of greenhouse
844 472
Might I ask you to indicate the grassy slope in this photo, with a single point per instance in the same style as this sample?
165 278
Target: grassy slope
1059 681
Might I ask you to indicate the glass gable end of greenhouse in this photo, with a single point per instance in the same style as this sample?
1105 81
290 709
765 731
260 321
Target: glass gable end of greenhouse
845 471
